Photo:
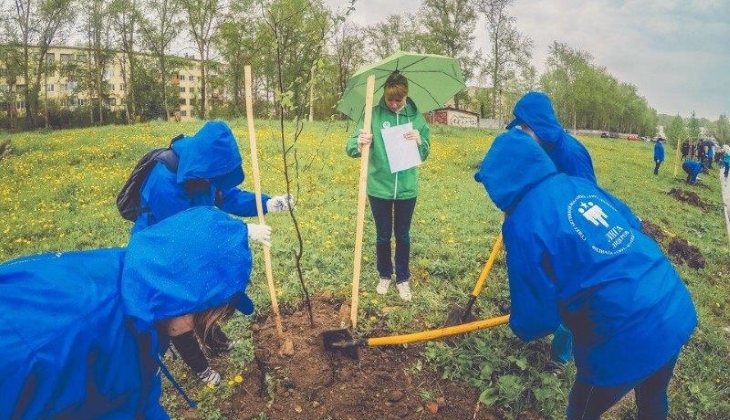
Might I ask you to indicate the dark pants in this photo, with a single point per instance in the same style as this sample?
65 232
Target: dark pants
656 168
189 350
588 402
393 217
727 168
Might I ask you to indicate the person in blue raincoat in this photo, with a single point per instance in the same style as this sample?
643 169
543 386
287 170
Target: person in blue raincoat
692 169
534 114
80 329
578 257
658 154
208 173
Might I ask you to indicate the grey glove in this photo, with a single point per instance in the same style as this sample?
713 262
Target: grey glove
280 203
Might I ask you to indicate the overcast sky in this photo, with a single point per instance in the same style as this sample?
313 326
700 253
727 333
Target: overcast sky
676 52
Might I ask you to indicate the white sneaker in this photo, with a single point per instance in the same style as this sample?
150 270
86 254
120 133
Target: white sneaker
383 286
210 377
404 290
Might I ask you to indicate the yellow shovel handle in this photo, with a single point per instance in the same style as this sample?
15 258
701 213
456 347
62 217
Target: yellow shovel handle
488 266
441 332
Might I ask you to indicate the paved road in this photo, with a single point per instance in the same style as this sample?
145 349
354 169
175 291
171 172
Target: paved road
725 184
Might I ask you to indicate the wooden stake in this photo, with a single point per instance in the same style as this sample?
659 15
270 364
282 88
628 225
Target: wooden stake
361 197
259 206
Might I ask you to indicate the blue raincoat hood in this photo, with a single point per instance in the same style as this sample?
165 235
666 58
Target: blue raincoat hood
507 182
196 260
212 154
535 110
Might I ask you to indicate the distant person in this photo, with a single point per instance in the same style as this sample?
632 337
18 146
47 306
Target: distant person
84 330
658 154
726 159
208 174
693 169
392 196
710 156
685 149
575 257
534 115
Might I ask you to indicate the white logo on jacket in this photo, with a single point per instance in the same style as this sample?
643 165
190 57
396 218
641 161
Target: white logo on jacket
386 124
596 221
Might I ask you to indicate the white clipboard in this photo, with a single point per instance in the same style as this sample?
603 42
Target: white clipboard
402 153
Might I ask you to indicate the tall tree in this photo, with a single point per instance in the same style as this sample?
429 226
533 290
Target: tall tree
348 51
159 27
203 18
722 131
448 30
34 27
676 131
693 127
395 33
124 16
509 50
97 27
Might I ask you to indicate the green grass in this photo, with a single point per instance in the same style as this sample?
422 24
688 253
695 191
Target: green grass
58 193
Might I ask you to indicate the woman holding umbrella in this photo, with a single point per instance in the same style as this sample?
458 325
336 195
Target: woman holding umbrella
392 195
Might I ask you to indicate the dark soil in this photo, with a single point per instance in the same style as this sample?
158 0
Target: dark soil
385 383
678 249
688 197
653 230
682 252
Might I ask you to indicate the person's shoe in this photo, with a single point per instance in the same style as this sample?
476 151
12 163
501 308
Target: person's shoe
404 290
209 376
383 286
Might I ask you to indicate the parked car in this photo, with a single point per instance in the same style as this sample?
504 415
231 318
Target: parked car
633 137
604 135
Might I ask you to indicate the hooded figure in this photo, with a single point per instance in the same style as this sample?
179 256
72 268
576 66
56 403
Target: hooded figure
658 154
79 328
692 169
209 169
576 257
570 156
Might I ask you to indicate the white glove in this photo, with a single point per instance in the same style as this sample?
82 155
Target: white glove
260 233
280 203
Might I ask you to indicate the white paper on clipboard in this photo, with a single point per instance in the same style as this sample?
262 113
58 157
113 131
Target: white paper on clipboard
402 153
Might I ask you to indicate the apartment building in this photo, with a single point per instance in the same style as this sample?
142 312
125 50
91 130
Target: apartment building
58 86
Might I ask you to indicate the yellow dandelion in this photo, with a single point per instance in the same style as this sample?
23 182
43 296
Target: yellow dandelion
238 379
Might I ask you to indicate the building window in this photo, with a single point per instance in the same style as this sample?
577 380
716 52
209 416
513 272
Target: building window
50 58
81 57
184 113
182 88
65 58
183 101
50 88
180 77
191 77
122 87
20 105
192 89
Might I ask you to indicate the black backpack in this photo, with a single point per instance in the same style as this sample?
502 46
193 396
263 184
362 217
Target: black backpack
128 198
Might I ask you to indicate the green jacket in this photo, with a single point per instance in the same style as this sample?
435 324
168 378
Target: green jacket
382 183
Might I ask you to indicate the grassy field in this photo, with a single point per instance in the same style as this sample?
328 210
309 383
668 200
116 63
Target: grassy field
58 191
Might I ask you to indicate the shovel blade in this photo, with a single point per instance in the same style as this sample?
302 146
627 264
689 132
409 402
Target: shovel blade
331 339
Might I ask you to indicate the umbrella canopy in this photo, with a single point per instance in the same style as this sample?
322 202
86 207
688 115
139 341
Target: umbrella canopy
432 81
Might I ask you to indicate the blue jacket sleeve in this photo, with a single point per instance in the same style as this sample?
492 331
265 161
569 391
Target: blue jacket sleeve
242 203
533 294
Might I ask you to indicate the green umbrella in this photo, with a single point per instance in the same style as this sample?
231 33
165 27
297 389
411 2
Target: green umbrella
432 81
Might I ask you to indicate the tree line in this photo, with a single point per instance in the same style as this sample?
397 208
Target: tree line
302 53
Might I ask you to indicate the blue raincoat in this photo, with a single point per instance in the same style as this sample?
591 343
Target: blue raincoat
575 256
208 171
566 152
658 151
78 327
692 169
